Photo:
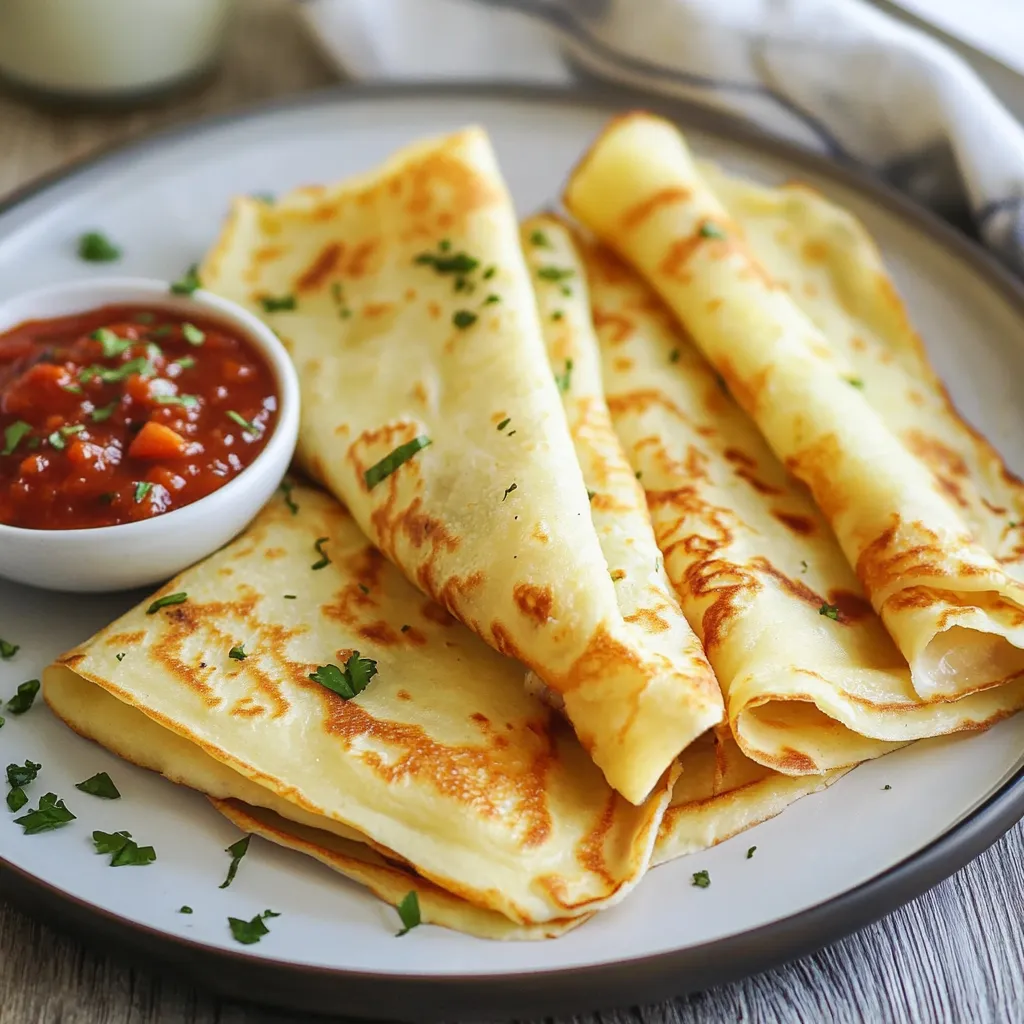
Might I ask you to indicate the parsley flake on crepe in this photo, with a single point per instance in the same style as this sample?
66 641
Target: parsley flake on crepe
50 814
100 785
382 470
277 304
347 682
409 912
830 611
168 599
324 560
238 851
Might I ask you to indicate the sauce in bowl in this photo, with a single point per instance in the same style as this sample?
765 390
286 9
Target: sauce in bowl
124 413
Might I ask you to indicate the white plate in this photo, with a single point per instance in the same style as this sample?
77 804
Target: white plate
829 864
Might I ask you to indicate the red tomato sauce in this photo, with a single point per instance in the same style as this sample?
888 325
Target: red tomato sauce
124 413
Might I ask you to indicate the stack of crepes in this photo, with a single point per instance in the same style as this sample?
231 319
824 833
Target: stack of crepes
602 619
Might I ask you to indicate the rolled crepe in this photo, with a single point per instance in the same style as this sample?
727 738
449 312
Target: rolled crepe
955 612
442 761
812 680
429 410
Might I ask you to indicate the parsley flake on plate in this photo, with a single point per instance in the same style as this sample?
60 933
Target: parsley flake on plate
185 910
168 599
382 470
830 611
409 913
95 247
50 814
16 799
22 700
248 932
8 650
324 560
124 850
13 435
701 879
277 303
22 774
238 851
238 652
347 682
188 282
100 785
887 786
750 852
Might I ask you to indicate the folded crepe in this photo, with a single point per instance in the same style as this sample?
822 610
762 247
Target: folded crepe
812 680
441 763
442 776
428 409
847 402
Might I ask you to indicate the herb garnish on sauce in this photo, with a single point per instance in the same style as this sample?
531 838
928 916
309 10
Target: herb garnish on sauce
238 851
249 427
95 247
382 470
192 334
351 680
409 912
168 599
100 785
13 435
142 488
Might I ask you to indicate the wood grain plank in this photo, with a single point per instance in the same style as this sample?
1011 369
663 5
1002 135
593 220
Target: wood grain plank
953 955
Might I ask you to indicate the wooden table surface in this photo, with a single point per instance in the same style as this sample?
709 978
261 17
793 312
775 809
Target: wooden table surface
956 954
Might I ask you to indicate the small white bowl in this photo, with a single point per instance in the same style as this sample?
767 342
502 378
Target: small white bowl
151 550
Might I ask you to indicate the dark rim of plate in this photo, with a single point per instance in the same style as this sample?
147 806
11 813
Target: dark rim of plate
252 977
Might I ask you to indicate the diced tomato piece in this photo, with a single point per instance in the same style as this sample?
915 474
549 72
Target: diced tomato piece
155 441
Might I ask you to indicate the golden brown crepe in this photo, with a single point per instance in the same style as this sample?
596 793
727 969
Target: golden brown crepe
405 302
442 762
954 609
812 679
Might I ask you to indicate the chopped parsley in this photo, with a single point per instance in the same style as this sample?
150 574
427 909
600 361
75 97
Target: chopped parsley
750 852
564 379
489 273
701 879
112 344
184 363
539 239
16 799
887 786
13 435
673 356
405 629
591 495
112 375
557 315
351 680
804 566
185 910
95 247
248 932
830 611
409 913
364 588
709 229
338 294
50 814
250 428
123 849
144 318
290 597
238 652
22 700
22 774
855 382
72 389
100 785
120 655
492 299
8 650
286 488
504 423
58 438
324 560
192 334
168 599
277 303
464 318
238 851
188 283
446 262
188 401
555 273
508 490
142 488
382 470
104 412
